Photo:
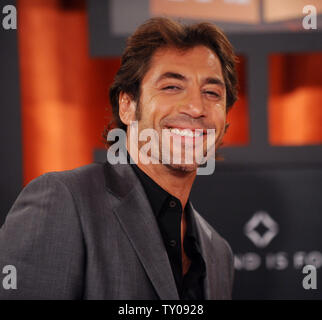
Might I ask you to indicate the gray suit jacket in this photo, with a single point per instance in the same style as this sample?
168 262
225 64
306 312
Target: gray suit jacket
90 233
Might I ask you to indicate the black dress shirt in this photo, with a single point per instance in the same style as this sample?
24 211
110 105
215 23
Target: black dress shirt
168 212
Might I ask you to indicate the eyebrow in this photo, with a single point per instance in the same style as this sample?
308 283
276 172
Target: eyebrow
178 76
211 80
171 75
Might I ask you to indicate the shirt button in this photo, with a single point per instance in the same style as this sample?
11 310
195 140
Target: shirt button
172 204
172 243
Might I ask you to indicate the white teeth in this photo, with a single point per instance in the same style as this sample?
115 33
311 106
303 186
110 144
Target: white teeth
186 132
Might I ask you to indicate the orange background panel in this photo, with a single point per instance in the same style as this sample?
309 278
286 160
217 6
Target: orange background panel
218 10
64 92
295 99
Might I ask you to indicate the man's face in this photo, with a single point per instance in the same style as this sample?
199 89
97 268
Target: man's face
183 90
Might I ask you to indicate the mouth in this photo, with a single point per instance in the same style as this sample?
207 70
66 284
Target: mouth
188 132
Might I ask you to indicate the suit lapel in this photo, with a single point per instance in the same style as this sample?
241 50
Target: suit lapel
208 253
135 215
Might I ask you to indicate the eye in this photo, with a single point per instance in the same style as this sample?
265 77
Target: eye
171 88
212 93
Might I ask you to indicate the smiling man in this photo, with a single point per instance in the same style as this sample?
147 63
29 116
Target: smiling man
129 231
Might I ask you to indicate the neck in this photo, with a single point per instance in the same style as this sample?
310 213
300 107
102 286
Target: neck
177 183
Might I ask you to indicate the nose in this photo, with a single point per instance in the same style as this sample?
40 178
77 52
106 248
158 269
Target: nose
193 104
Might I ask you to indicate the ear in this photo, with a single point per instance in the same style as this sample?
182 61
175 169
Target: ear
227 126
126 108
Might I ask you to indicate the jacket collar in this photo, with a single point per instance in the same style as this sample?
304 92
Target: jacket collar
209 253
135 215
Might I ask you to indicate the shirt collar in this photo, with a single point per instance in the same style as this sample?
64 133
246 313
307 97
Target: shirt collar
158 197
155 193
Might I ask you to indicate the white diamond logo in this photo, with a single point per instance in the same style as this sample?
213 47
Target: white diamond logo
261 219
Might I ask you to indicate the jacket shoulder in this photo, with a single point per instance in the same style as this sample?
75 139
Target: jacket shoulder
41 237
89 173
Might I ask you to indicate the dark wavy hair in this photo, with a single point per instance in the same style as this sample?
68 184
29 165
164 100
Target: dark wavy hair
158 33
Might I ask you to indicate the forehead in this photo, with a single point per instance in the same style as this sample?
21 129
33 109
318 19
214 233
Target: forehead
197 61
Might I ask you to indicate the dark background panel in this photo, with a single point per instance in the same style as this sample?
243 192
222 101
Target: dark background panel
10 120
291 197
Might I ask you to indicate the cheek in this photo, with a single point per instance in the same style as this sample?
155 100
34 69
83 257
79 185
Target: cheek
219 116
147 105
154 109
149 115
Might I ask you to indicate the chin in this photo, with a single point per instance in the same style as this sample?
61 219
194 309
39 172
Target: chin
184 168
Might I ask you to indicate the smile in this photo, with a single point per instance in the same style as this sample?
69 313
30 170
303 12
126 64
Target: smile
187 132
